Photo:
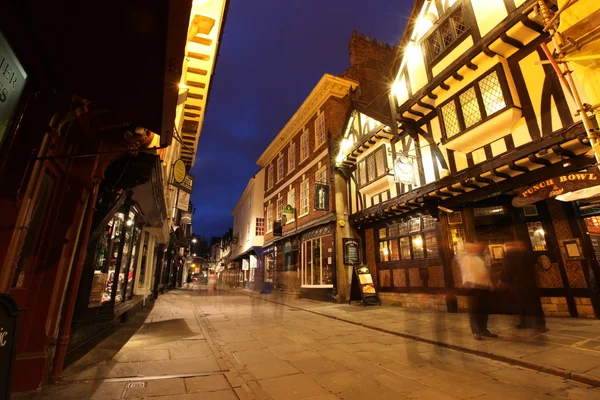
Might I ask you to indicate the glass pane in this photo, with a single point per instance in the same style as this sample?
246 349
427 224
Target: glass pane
393 229
380 161
33 231
451 124
362 168
431 245
446 34
124 260
417 246
384 253
101 260
405 248
428 222
326 260
144 255
491 92
382 233
457 236
371 169
133 261
459 23
435 44
116 237
470 107
316 260
403 228
394 250
537 236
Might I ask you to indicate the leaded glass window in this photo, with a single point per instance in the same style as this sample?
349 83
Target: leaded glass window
470 107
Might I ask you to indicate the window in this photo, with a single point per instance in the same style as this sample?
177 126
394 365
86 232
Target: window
291 200
537 236
270 177
260 226
304 192
280 168
373 166
408 240
458 239
269 217
304 149
320 131
291 157
321 175
317 266
279 208
476 103
447 34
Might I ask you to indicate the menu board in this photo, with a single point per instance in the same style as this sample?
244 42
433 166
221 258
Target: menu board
363 287
351 251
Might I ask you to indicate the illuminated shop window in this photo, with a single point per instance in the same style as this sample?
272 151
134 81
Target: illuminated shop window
537 236
317 264
382 233
417 246
458 240
477 102
407 240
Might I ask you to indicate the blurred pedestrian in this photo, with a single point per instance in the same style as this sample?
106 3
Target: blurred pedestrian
475 272
189 279
519 274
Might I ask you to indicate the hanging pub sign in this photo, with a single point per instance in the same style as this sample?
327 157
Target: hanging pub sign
186 184
9 326
557 186
12 83
183 200
351 251
321 197
179 171
404 171
289 213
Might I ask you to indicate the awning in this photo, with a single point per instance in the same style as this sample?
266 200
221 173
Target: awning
124 56
566 187
150 196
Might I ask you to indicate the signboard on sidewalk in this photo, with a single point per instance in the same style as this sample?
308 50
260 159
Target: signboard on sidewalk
351 248
9 326
362 286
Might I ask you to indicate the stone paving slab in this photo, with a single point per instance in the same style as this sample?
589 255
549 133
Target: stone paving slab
568 350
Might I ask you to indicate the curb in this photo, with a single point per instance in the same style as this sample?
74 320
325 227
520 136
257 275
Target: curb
562 373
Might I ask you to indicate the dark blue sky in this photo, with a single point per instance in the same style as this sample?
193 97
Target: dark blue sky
272 54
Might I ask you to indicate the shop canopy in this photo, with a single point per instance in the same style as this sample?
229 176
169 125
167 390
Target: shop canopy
567 187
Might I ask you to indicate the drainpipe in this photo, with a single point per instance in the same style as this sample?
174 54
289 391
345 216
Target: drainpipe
73 286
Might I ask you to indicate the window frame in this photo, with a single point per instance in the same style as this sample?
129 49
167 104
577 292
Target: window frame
384 242
436 31
270 180
304 199
364 162
292 203
280 168
508 100
260 227
305 274
320 130
304 145
269 227
291 157
279 209
321 172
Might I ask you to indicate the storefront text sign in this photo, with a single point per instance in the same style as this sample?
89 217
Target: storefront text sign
557 186
351 251
9 324
12 83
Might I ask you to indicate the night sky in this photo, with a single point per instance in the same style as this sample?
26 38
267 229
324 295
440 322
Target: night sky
272 54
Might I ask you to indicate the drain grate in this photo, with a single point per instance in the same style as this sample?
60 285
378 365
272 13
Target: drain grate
132 385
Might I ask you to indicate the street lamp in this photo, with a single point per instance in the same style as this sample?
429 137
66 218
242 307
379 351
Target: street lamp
194 240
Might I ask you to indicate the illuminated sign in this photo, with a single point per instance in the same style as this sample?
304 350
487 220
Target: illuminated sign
404 170
179 171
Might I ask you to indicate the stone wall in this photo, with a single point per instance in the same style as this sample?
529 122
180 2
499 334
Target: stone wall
421 301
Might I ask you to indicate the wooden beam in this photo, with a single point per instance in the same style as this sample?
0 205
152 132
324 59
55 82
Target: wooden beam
517 168
195 96
457 76
536 160
444 86
425 105
191 115
563 152
511 41
191 107
198 71
199 56
200 85
432 96
471 66
201 40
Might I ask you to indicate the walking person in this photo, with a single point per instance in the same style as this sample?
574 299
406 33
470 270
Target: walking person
519 273
475 272
189 279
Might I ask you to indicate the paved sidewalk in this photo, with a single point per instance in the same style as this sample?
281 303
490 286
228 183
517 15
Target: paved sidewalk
571 349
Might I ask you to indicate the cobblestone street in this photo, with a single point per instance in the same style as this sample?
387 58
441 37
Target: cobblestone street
227 344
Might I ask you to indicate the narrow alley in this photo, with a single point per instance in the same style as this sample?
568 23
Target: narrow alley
231 344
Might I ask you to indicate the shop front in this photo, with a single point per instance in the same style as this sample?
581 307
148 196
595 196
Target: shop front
317 263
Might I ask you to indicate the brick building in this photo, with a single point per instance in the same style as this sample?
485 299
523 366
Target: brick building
301 198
